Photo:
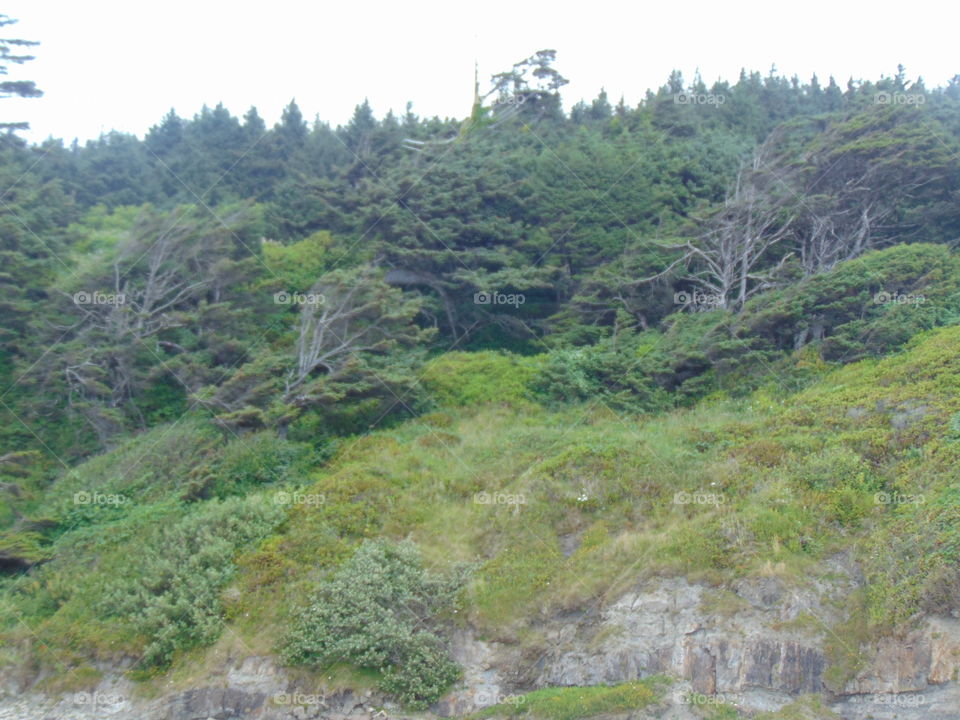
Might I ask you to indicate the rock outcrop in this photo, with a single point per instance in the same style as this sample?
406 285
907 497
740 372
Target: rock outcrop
757 646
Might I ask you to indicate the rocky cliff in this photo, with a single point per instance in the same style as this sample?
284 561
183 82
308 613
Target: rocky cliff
757 645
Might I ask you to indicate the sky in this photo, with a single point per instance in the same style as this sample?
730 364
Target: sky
121 64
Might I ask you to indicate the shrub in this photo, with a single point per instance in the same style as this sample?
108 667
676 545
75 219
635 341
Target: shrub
382 610
145 468
459 379
614 374
254 460
833 468
169 591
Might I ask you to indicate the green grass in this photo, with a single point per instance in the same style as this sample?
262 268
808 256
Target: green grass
795 478
809 707
573 703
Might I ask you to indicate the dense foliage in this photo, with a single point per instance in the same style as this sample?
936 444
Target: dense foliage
381 610
279 377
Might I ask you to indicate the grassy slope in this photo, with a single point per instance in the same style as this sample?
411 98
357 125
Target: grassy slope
798 477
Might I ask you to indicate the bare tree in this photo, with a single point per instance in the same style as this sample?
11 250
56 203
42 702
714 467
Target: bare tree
851 198
838 196
733 257
156 277
346 314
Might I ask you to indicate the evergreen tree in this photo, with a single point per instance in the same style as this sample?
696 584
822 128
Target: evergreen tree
10 49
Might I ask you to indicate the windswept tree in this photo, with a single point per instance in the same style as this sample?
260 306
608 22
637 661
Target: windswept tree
354 343
869 181
127 321
819 193
349 313
738 252
532 84
11 53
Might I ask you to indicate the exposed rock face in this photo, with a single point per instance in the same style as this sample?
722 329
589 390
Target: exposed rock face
218 703
927 657
665 629
755 653
481 685
252 689
757 647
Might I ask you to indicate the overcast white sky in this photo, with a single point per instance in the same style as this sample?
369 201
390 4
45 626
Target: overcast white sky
121 64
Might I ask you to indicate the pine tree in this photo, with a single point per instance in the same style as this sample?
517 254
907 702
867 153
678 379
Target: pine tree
9 47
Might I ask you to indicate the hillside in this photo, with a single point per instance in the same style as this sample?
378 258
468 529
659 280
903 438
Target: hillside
807 508
645 412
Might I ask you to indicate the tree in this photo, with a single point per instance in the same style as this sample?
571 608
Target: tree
872 179
353 314
533 84
351 346
132 317
730 257
15 88
291 132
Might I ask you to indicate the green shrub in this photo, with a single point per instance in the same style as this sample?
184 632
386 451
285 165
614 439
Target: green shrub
254 460
614 374
22 549
145 468
169 591
464 379
382 610
835 467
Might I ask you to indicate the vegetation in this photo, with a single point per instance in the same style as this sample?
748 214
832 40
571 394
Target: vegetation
579 702
408 375
378 611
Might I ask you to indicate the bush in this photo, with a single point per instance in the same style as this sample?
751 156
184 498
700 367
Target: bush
843 305
613 374
462 379
169 591
146 468
258 459
382 610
